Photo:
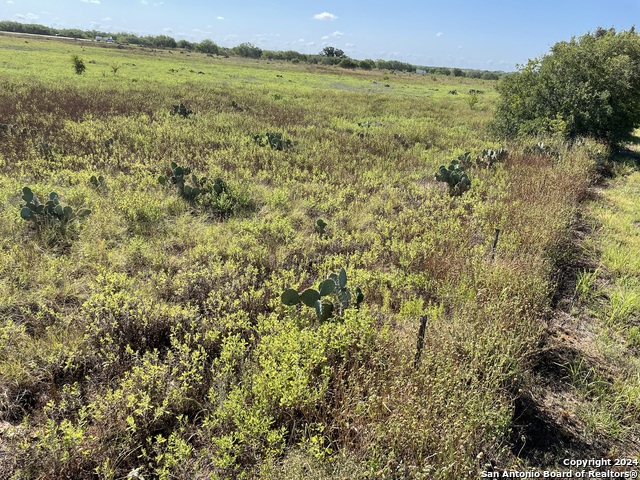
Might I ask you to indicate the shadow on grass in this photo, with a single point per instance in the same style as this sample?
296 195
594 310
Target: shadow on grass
542 435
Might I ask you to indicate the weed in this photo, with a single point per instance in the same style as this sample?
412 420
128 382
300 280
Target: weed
584 284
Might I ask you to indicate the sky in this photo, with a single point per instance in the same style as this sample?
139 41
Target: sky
487 35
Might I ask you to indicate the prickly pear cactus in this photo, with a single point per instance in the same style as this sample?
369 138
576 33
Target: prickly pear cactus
273 140
332 295
455 177
181 110
49 213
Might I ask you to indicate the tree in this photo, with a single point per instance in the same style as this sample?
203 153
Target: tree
589 86
348 63
163 41
207 46
332 52
247 50
187 45
367 64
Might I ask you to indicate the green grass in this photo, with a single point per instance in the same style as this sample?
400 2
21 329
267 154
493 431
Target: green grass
152 339
609 388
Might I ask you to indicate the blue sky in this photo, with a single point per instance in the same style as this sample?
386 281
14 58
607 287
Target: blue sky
492 35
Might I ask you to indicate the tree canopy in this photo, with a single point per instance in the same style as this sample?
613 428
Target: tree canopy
589 86
332 52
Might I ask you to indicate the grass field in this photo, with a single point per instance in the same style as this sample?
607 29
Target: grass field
149 339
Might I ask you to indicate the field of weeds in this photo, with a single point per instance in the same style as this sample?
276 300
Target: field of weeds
143 331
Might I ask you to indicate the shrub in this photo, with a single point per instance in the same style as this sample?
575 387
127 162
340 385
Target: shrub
205 46
247 50
78 64
348 63
588 86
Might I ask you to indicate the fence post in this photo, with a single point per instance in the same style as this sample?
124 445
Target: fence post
421 333
495 244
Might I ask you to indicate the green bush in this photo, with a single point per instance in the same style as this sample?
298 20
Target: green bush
589 86
78 64
348 63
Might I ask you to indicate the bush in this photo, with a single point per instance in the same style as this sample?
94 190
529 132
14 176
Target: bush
588 86
348 63
247 50
78 64
207 46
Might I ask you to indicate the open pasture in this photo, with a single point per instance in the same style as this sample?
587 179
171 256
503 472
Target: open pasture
150 335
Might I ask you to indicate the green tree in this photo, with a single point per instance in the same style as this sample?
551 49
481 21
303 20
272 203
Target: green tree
348 63
589 86
187 45
247 50
367 64
164 41
332 52
207 46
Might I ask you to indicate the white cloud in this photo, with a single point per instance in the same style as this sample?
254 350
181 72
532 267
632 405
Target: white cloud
144 2
167 30
9 1
106 19
219 18
349 45
325 16
28 16
97 2
326 37
439 34
336 34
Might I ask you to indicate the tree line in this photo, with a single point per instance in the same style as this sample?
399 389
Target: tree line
328 55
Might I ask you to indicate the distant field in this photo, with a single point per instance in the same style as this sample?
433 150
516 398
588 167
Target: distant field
149 337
